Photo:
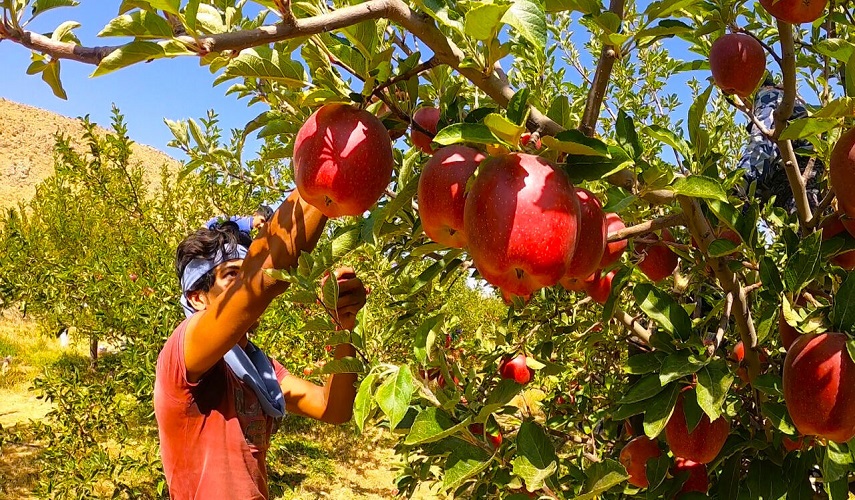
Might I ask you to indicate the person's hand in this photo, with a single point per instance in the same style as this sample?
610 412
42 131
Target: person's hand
351 296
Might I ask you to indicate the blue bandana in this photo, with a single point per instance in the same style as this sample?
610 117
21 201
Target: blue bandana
250 365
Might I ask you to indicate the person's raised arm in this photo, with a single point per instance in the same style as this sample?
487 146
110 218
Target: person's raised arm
295 227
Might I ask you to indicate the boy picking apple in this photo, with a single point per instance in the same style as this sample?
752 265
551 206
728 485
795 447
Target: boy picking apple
218 397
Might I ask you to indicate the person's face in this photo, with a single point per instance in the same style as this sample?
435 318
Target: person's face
225 275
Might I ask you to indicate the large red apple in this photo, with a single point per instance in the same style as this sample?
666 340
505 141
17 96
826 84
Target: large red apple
515 369
442 193
428 119
698 479
737 63
841 172
521 220
599 286
591 243
833 226
795 11
819 386
342 160
657 260
634 457
614 249
703 443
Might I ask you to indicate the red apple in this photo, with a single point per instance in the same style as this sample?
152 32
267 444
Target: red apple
307 371
833 226
591 243
698 479
342 160
521 220
515 369
442 193
133 277
738 354
427 118
657 260
525 138
841 172
634 457
614 249
703 443
819 386
494 439
796 444
600 286
737 63
795 11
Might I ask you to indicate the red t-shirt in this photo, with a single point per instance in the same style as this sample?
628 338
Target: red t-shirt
213 433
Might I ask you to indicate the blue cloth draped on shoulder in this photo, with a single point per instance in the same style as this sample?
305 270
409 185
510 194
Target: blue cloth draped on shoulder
244 223
250 365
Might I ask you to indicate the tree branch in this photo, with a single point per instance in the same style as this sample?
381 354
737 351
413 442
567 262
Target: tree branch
782 115
633 324
646 227
817 216
601 79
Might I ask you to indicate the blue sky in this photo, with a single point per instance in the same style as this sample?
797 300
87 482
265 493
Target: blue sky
145 93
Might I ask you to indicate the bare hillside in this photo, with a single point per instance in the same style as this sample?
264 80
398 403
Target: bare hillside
26 150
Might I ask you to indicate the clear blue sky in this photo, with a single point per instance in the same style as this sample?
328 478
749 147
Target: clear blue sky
148 93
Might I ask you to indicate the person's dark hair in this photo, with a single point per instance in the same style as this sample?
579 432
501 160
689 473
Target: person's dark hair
204 244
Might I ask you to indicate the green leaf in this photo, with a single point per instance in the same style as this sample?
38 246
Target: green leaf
645 388
482 22
424 337
576 143
665 8
431 425
394 394
626 135
345 242
678 365
729 481
535 459
842 317
662 308
583 6
139 24
842 107
127 55
476 133
779 417
363 403
529 20
640 364
170 6
802 266
836 48
601 477
64 32
656 470
560 111
40 6
264 62
209 19
503 128
518 107
770 384
770 275
802 128
500 396
714 381
191 12
590 168
668 137
346 364
50 75
698 186
329 293
766 481
659 410
722 247
464 462
838 461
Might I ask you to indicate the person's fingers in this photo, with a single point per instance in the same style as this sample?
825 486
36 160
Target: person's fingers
343 273
350 300
350 285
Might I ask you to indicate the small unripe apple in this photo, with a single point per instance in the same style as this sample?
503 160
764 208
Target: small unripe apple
795 11
737 63
634 457
428 119
516 369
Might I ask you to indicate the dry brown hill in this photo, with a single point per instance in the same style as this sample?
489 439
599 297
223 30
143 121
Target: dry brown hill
26 150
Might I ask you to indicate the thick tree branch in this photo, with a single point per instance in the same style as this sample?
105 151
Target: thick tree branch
602 75
782 115
700 228
646 227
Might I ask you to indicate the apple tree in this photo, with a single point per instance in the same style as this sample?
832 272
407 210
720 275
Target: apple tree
676 289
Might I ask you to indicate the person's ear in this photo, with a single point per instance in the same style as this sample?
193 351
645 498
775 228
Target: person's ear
198 299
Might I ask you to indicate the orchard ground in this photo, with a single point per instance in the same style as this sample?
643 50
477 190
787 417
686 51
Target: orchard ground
326 462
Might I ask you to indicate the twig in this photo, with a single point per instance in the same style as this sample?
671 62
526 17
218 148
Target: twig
715 341
817 215
633 324
601 79
430 63
737 103
646 227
